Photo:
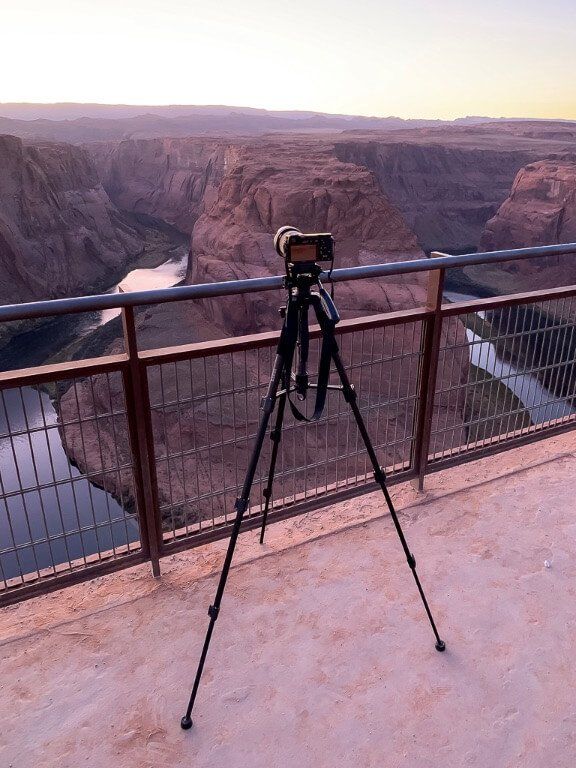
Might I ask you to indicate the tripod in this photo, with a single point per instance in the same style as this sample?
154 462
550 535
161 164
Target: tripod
295 334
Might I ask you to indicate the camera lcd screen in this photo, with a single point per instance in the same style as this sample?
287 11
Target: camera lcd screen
299 253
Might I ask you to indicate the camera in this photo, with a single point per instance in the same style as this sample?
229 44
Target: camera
303 250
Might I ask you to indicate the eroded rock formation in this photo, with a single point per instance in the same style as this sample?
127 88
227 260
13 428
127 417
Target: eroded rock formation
541 210
170 179
267 186
262 188
446 193
60 235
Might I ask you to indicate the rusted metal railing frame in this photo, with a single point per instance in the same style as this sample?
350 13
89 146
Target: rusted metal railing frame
133 367
431 316
428 373
527 438
151 357
74 369
44 584
509 300
286 512
142 443
455 309
155 357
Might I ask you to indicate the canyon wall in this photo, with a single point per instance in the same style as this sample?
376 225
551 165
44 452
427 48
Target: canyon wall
60 235
446 183
169 179
446 193
540 210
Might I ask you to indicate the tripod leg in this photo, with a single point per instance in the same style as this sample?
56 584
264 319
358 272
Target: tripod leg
351 398
275 436
240 507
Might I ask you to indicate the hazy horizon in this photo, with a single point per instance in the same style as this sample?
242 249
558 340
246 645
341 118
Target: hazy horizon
374 58
258 108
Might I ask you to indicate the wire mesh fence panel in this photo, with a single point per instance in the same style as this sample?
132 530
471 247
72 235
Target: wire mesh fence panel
66 478
520 378
206 410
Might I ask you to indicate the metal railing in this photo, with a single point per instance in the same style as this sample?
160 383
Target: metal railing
113 461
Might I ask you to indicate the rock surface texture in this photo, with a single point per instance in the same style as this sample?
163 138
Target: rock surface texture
170 179
60 234
541 210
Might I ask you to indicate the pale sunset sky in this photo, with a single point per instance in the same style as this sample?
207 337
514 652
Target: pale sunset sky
411 58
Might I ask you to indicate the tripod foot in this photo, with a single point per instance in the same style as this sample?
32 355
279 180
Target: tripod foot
440 646
186 723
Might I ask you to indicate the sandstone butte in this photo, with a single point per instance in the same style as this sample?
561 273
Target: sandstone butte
540 210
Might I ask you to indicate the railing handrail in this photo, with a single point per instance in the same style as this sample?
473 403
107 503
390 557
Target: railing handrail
437 260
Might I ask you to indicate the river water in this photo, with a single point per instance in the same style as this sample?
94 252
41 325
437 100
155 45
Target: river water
541 404
77 517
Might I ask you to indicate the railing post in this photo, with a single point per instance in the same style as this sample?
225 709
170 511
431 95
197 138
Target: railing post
428 372
141 440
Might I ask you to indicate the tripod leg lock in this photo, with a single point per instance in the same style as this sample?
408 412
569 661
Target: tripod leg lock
411 561
267 404
380 476
241 505
275 436
349 393
213 612
267 492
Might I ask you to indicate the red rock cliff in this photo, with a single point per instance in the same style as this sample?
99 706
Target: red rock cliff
170 179
541 210
272 184
60 234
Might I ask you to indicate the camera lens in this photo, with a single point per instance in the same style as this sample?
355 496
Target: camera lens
281 239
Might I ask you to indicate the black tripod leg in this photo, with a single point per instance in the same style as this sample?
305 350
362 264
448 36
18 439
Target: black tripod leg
240 507
350 397
275 436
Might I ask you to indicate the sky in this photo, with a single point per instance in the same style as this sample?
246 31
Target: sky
410 58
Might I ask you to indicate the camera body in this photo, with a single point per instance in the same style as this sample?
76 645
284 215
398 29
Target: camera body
301 251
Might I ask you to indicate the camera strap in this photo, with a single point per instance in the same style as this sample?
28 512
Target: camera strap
321 385
327 316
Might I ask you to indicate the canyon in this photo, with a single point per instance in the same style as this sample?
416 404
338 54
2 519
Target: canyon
446 182
390 195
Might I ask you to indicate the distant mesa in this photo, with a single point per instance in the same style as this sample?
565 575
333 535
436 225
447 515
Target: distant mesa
78 123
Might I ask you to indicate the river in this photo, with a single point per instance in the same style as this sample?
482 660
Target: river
541 404
77 517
